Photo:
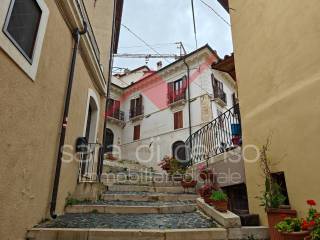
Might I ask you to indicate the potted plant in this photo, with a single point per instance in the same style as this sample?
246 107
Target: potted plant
219 200
313 221
206 174
173 167
293 229
272 197
205 192
188 182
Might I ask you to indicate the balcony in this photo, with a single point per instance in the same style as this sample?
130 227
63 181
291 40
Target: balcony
136 114
117 117
176 99
220 97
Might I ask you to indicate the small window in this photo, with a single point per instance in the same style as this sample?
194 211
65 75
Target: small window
177 90
178 120
22 24
136 133
280 179
136 107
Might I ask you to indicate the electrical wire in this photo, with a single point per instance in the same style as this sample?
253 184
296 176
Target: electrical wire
154 45
194 25
216 12
147 44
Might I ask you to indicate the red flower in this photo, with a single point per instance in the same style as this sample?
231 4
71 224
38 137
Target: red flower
304 225
312 223
311 202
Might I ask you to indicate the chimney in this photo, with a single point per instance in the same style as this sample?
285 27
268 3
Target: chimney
159 65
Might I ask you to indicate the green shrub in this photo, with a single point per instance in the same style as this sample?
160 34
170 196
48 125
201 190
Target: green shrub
219 196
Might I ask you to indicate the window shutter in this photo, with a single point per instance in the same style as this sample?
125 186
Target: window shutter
170 92
136 132
213 82
132 107
178 120
139 105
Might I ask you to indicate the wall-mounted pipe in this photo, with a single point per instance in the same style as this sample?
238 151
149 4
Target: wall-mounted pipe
76 36
189 104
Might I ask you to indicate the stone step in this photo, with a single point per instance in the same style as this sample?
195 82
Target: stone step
146 196
125 234
133 207
110 182
139 188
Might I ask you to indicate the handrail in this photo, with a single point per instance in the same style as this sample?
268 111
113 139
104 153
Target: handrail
218 136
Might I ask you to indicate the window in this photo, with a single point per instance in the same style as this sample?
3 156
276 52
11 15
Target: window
217 87
136 132
22 25
178 120
136 108
113 109
177 90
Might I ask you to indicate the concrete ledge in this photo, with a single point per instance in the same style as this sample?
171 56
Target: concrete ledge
120 209
153 197
125 234
259 233
227 220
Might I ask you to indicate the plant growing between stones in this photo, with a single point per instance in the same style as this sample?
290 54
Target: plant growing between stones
70 201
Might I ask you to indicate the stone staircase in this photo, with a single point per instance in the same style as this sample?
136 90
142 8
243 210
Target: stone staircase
130 209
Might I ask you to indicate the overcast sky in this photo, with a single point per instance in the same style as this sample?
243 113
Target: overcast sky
164 22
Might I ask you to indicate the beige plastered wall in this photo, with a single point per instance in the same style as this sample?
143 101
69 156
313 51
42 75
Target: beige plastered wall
277 58
30 118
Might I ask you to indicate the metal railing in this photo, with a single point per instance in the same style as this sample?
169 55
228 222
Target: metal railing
89 162
175 97
136 112
219 136
117 114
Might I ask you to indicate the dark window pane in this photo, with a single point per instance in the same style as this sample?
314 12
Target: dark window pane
23 25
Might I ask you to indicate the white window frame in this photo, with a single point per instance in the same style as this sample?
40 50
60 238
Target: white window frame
30 68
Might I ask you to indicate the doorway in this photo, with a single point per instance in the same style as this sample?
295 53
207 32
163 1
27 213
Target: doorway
179 152
109 141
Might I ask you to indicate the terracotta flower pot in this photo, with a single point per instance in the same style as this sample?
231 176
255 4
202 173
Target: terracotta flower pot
295 235
274 217
221 206
207 200
188 184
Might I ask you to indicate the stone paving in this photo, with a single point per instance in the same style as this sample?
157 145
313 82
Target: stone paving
129 221
138 203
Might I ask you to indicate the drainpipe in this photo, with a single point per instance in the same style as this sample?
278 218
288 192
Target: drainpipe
189 103
100 165
76 35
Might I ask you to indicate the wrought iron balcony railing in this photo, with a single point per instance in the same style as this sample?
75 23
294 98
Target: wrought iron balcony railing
136 112
177 96
117 114
218 136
